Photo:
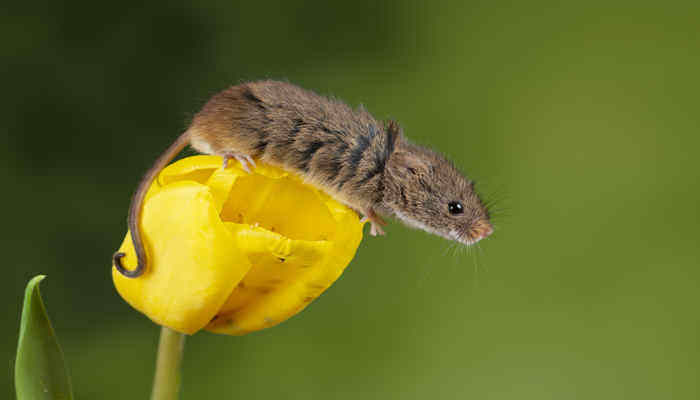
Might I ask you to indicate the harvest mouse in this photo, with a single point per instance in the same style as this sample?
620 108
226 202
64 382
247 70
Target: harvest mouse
364 163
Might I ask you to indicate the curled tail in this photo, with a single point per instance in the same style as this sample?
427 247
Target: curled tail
137 206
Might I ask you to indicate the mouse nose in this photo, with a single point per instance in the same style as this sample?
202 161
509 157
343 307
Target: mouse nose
480 229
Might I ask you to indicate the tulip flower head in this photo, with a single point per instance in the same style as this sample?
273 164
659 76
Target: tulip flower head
234 252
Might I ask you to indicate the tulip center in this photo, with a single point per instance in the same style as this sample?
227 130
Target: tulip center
279 205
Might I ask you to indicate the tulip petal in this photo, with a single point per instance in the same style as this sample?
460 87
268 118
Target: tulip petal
234 251
280 204
288 274
221 182
197 169
193 265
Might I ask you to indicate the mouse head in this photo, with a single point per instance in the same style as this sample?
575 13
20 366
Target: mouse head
426 191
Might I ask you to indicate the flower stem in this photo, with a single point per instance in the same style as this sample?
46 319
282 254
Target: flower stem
166 383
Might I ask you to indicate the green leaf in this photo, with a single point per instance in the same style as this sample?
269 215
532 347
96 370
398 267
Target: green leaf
40 371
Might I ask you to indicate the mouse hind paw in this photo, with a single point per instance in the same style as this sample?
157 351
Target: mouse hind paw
244 159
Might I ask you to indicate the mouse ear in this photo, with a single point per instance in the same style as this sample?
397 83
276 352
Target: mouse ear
394 131
407 164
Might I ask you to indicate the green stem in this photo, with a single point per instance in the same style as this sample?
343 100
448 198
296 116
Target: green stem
166 383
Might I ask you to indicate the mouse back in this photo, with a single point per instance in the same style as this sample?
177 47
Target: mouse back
339 149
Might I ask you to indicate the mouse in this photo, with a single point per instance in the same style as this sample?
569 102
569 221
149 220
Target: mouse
366 164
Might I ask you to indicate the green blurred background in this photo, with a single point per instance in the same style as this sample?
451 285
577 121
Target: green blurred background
582 119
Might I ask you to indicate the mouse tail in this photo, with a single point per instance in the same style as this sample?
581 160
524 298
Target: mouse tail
137 207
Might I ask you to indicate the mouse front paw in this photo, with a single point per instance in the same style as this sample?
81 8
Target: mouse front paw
376 230
376 221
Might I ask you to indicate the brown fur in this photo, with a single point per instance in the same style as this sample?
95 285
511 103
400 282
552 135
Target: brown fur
282 124
418 186
358 160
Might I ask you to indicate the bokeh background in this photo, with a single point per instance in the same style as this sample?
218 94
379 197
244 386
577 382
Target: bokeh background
581 118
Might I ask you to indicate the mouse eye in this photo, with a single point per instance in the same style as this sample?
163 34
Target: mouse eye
455 207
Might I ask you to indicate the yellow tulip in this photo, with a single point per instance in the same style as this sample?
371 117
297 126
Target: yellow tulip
234 252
